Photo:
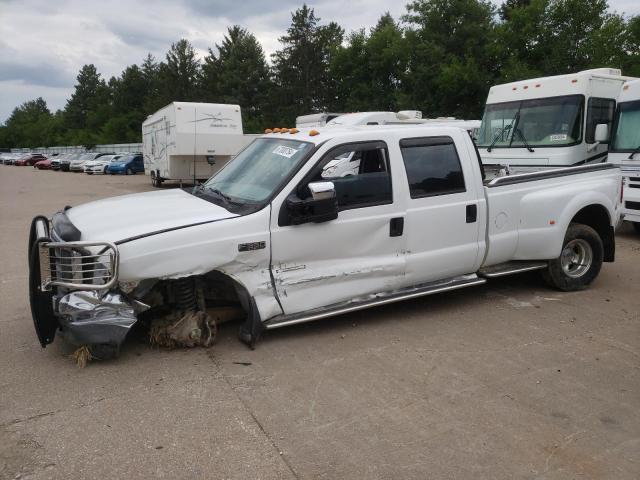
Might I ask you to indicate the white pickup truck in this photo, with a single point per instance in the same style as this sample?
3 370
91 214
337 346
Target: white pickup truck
272 236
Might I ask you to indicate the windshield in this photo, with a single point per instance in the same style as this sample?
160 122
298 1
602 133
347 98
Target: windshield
544 122
626 136
255 174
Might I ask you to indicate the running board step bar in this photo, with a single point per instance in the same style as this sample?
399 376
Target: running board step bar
375 300
509 268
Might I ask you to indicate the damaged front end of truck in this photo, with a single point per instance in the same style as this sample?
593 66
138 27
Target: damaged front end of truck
75 291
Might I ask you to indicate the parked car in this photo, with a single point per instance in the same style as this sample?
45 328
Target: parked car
29 159
57 160
100 164
128 165
269 234
43 164
9 158
65 162
77 164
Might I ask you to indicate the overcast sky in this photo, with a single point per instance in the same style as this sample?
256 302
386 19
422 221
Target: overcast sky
43 43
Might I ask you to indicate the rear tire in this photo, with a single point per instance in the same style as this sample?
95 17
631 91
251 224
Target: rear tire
579 262
636 226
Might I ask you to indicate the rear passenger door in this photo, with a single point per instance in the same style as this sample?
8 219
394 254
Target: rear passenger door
442 224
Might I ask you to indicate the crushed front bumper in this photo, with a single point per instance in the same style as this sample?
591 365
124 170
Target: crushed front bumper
72 289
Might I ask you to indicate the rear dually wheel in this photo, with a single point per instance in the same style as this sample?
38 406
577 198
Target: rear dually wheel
579 262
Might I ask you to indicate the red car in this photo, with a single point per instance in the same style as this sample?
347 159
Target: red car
29 159
43 164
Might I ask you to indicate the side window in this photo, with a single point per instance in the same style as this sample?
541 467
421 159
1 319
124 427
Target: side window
433 166
360 174
600 110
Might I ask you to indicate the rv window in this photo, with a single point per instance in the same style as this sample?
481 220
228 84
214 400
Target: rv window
543 122
600 110
626 136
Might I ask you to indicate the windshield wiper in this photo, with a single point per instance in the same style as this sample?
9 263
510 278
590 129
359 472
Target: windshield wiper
502 132
637 150
223 196
524 140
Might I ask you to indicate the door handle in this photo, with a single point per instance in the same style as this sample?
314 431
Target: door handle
472 213
396 227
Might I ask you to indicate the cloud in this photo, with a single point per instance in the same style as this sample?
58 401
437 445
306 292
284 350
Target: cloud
44 43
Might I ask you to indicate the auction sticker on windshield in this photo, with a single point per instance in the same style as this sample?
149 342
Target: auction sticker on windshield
558 138
285 151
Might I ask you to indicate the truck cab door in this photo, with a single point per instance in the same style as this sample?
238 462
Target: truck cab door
445 211
358 253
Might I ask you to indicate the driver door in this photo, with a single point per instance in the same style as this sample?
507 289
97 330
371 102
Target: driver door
360 252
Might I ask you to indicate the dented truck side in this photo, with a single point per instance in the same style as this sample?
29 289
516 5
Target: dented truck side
272 239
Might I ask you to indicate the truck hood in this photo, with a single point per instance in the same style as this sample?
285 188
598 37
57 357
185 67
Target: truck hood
140 214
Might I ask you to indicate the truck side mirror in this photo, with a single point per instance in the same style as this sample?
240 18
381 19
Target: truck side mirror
322 190
602 133
321 207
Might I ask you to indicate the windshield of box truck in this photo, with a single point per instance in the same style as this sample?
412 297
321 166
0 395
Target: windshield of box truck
626 131
255 174
544 122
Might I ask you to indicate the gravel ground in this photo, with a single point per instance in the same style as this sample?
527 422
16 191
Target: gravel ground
507 380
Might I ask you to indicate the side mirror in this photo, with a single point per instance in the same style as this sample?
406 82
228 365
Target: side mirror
322 190
602 133
321 207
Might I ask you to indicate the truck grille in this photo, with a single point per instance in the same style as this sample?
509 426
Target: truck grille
72 265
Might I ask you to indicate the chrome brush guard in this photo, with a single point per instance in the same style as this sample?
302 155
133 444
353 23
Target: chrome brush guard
72 265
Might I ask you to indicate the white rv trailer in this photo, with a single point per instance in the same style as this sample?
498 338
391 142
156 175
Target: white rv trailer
624 149
315 119
550 121
188 141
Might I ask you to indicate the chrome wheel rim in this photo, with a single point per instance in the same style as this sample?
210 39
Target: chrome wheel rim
576 258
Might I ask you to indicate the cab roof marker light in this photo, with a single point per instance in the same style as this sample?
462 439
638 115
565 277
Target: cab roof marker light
284 130
514 88
313 133
538 85
268 130
276 130
525 87
293 130
575 80
626 87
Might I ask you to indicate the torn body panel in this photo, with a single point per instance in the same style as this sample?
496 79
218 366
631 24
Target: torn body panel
204 248
351 257
90 317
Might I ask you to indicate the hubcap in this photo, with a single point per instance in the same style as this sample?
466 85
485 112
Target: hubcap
576 258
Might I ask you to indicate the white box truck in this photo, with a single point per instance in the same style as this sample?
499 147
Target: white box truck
187 141
549 122
624 149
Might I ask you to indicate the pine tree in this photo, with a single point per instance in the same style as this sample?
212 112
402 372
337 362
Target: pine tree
301 67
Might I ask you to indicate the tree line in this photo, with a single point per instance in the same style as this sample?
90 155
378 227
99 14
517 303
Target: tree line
440 57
